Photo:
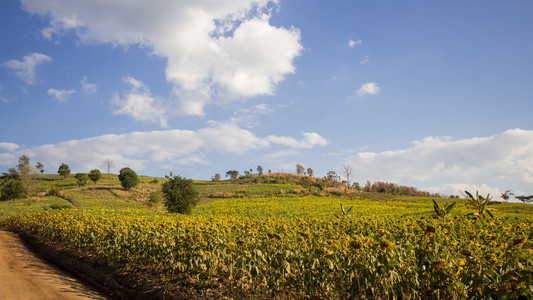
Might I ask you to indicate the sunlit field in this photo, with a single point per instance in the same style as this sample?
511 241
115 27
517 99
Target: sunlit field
272 243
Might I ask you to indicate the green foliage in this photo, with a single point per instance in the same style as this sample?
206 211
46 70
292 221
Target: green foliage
180 195
63 170
82 179
40 167
155 200
95 175
233 174
260 170
525 199
128 178
444 210
479 202
12 189
216 177
53 191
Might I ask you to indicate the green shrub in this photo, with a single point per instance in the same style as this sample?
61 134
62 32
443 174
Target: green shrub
53 191
180 195
60 206
128 178
95 175
12 189
155 200
82 179
63 170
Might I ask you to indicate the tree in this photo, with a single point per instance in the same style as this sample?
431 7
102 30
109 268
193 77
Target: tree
24 164
233 174
506 195
260 170
26 173
63 170
348 173
216 177
40 167
12 189
82 178
180 195
128 178
109 164
332 176
95 175
300 169
310 172
525 199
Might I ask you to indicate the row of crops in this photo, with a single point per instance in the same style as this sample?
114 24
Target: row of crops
301 247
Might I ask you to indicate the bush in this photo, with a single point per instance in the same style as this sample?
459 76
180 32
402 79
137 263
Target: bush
95 175
128 178
82 178
12 189
180 195
155 200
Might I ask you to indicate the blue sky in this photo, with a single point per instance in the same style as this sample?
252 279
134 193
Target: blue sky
436 95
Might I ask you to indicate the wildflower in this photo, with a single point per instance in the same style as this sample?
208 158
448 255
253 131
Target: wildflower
461 262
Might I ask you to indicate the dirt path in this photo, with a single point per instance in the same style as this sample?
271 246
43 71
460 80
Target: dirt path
25 276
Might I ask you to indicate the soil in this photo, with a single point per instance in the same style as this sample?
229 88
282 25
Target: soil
23 275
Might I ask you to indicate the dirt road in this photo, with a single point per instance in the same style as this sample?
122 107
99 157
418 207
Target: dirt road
25 276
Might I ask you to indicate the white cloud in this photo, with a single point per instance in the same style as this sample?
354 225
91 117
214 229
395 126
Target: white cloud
60 95
87 87
216 51
364 61
25 68
369 88
310 140
140 149
8 147
503 161
353 43
139 103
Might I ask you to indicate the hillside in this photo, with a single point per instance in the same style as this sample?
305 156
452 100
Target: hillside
272 237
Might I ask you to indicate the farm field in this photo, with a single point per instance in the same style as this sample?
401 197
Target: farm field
270 241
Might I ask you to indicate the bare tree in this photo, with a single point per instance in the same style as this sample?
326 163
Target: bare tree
348 174
300 170
108 162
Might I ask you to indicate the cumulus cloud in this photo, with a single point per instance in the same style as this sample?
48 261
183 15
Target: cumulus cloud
352 43
216 51
88 87
162 148
25 68
139 103
502 161
60 95
370 88
8 147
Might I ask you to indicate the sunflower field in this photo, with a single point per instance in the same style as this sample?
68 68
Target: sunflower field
304 247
